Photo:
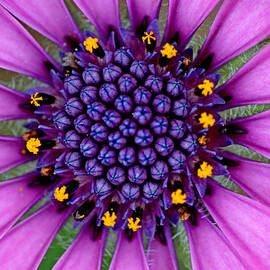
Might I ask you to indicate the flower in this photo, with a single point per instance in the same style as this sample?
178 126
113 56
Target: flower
127 135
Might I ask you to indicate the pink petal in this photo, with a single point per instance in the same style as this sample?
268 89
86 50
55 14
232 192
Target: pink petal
251 176
161 256
209 248
102 14
84 252
140 9
25 245
251 84
244 222
19 52
185 17
50 18
129 255
10 154
238 26
10 101
257 137
16 198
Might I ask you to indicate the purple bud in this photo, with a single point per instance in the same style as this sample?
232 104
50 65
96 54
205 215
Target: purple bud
112 118
72 139
124 104
96 110
116 140
162 104
190 143
127 156
159 125
99 132
88 148
137 174
154 83
142 114
128 127
93 167
143 137
127 83
61 120
122 57
175 87
160 170
73 160
139 69
116 175
73 84
177 129
74 107
151 190
131 191
108 92
91 74
88 94
111 73
142 96
102 187
82 124
107 156
181 108
164 146
147 156
177 161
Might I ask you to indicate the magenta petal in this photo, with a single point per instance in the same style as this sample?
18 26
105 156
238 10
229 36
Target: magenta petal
50 18
251 176
140 9
10 154
238 26
209 248
102 14
84 253
257 128
25 245
161 256
19 52
251 84
16 198
185 17
244 222
129 255
10 101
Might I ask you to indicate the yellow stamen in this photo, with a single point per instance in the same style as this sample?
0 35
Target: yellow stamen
134 226
168 50
178 197
108 219
202 140
148 37
205 170
185 216
47 171
91 44
207 120
60 194
32 145
80 217
35 99
186 61
207 87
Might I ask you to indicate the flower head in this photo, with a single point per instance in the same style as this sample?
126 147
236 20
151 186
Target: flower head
128 136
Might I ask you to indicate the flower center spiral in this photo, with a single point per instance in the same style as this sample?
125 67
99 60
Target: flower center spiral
133 130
